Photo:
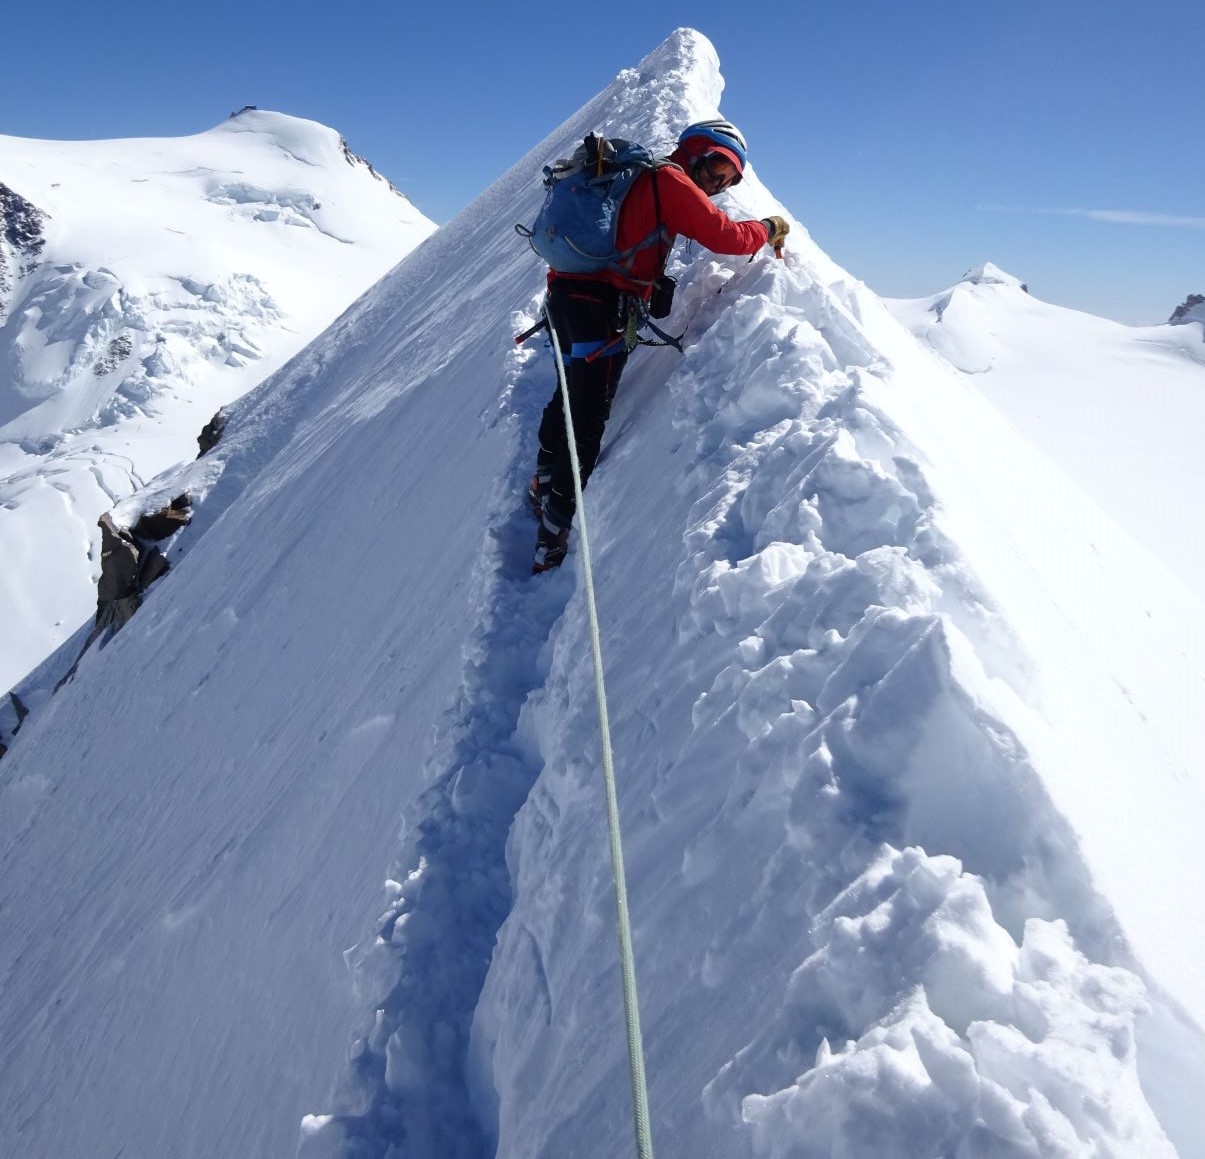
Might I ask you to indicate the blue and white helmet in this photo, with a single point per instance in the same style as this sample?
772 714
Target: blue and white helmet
722 133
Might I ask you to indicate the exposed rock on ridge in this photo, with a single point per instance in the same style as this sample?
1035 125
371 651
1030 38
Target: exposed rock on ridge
21 240
130 561
1192 309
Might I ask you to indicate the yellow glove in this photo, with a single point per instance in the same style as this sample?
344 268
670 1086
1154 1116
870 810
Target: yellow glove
776 231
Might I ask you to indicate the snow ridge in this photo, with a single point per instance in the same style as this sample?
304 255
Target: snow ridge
924 893
868 873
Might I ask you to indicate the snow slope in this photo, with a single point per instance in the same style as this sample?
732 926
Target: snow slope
169 277
1119 408
910 806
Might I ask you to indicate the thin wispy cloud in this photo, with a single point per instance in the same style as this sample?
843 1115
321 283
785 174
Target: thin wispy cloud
1113 216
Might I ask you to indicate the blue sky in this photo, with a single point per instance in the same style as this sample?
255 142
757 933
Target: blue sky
914 141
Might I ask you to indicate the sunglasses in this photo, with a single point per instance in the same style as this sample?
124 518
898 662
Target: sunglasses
720 172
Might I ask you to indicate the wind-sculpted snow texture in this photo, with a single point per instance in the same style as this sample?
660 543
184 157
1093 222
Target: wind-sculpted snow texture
881 906
803 750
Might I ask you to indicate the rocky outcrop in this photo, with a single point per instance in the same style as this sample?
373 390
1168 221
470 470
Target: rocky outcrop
1192 309
130 561
164 523
354 159
211 434
117 594
117 351
21 240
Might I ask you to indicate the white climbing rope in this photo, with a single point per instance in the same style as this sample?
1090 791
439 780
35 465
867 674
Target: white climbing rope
640 1101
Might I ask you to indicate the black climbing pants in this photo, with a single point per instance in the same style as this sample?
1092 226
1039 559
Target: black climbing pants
589 318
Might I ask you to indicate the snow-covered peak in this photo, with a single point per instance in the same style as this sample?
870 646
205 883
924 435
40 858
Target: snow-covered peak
308 141
143 284
155 207
686 61
957 323
678 82
987 274
1079 386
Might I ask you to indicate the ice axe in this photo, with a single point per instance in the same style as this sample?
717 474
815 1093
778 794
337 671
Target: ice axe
777 229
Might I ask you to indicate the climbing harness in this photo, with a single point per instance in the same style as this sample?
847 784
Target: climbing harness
628 335
640 1106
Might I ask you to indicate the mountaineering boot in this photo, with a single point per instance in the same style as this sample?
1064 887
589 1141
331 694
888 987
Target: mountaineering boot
552 540
551 546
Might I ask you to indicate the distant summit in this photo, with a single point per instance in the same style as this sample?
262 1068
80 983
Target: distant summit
263 120
1192 309
988 274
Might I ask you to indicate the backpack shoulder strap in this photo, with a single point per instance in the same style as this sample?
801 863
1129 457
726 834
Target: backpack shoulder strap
660 234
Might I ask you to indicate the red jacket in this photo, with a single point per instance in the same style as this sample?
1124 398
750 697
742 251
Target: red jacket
685 210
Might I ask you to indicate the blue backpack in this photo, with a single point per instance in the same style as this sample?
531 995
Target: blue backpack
574 232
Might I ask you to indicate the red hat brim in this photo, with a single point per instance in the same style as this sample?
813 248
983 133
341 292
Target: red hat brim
697 146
